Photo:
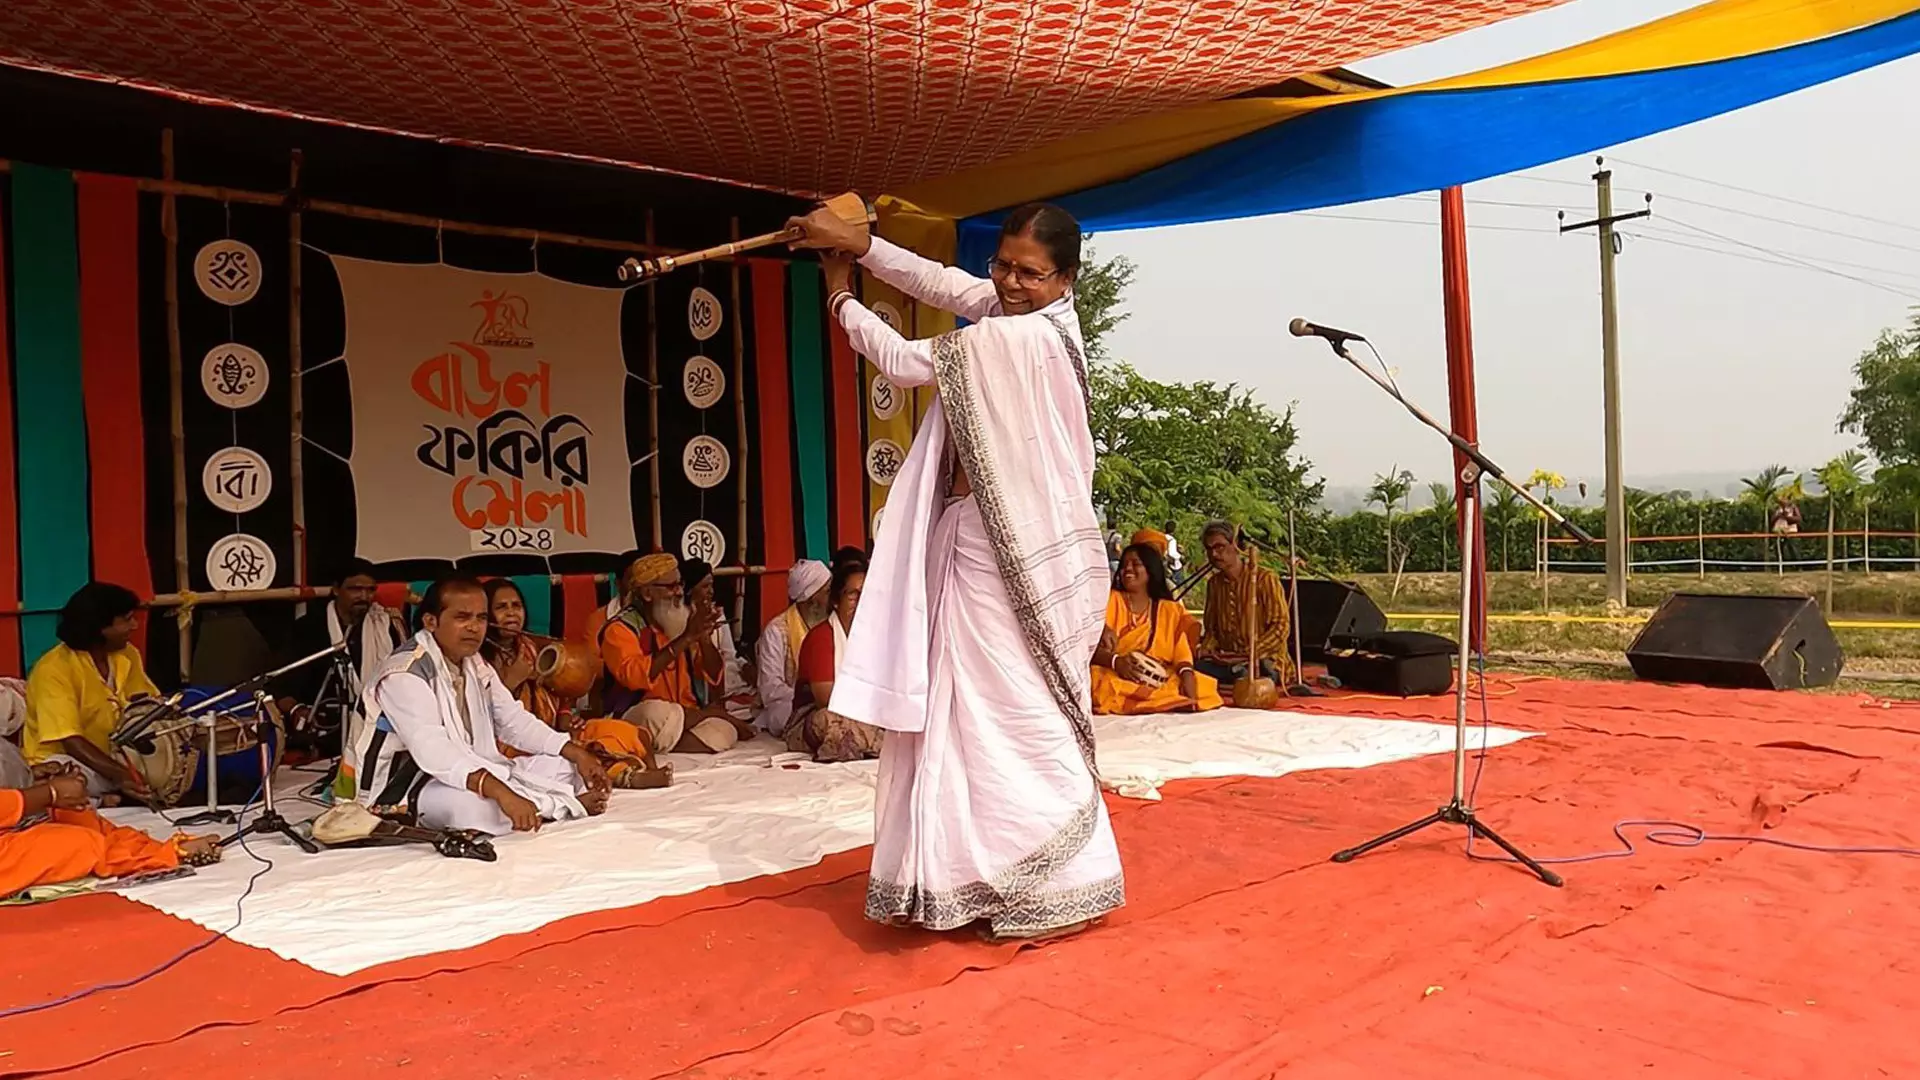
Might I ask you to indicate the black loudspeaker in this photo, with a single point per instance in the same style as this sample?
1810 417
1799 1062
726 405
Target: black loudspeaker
1742 642
1329 609
1402 662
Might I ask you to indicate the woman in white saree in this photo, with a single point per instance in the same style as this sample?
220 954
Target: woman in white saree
986 595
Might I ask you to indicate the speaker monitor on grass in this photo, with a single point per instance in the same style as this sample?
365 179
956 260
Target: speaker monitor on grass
1331 609
1740 642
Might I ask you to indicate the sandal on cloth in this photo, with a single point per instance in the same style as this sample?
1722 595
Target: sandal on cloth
1036 937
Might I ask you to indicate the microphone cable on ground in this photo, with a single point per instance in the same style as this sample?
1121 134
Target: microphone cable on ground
239 915
1652 830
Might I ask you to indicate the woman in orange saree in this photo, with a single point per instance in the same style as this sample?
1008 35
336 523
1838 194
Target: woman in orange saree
49 834
1145 660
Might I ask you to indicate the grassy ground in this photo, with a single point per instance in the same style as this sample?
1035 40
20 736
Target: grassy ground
1596 649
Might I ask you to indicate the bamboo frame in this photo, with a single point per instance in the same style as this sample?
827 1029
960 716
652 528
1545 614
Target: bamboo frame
296 461
739 416
176 401
167 185
171 189
653 397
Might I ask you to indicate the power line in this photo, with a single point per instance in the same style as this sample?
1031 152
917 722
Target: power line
1915 273
1856 237
1746 257
1768 195
1794 258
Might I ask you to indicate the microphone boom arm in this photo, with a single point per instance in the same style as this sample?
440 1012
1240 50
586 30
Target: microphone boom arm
1486 465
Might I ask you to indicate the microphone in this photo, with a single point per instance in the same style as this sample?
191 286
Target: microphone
1303 328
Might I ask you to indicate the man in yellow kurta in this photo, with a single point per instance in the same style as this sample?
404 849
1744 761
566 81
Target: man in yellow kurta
1224 648
77 691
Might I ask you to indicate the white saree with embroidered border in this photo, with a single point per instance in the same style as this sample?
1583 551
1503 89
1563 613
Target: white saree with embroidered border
975 637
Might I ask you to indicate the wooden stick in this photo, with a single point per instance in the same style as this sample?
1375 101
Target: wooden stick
653 396
296 465
739 417
176 399
848 206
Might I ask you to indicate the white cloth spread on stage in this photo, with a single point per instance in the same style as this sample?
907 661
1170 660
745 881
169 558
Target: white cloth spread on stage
974 641
412 696
752 811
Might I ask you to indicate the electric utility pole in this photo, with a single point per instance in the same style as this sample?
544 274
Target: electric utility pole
1616 502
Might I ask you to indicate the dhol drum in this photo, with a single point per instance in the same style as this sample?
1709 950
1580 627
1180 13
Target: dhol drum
175 771
567 668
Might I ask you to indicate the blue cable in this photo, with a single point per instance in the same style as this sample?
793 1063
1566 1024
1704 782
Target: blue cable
239 915
1657 831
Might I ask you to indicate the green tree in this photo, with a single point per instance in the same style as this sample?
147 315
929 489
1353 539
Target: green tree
1841 480
1098 291
1181 452
1760 490
1184 452
1503 510
1389 490
1884 407
1444 514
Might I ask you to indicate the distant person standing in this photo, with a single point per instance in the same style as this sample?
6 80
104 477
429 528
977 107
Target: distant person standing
1175 562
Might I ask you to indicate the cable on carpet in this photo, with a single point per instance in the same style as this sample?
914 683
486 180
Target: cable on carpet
1656 831
239 916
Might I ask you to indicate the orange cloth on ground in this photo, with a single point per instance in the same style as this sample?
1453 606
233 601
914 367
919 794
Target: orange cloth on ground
72 845
618 739
1161 635
629 653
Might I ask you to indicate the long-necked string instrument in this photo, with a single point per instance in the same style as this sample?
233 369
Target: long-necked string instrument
848 207
1253 690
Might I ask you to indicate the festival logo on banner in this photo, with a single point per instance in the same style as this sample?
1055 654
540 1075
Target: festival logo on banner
486 411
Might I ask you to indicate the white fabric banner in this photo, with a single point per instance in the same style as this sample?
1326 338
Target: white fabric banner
487 413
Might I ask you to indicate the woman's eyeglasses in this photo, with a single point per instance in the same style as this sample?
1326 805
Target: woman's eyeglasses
1020 275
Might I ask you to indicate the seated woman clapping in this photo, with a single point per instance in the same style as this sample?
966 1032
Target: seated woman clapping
1145 660
815 728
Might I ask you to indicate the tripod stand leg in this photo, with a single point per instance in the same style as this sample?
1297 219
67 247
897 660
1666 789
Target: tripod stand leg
1355 852
1476 826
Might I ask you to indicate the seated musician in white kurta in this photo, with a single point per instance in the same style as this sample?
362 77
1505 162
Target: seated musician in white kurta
441 716
986 596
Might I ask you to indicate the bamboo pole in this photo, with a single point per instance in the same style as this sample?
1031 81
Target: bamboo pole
305 593
296 465
170 187
176 402
739 417
653 395
1700 529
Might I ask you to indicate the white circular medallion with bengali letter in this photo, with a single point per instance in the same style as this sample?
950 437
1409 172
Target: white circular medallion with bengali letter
702 540
228 272
236 480
703 314
890 315
234 375
886 399
239 563
884 458
704 382
706 461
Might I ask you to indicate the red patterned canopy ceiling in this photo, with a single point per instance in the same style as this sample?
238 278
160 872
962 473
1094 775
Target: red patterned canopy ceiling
806 95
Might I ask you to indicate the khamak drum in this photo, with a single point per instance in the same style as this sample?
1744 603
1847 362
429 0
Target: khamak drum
567 669
174 771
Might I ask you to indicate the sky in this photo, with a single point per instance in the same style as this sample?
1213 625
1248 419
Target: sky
1729 361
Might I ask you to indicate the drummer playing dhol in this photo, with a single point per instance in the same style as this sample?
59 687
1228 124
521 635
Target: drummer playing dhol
77 692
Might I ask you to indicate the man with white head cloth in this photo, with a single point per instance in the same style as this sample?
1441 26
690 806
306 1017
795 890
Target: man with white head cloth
776 655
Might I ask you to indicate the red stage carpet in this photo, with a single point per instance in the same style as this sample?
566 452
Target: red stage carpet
1242 951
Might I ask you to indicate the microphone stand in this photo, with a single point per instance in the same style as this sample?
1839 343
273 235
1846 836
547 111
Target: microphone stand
1478 465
